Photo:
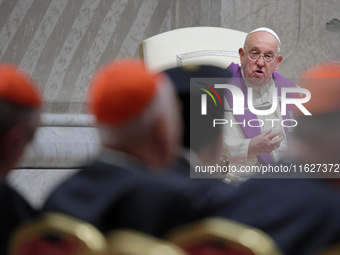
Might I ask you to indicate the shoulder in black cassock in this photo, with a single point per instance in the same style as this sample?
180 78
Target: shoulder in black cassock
14 211
113 197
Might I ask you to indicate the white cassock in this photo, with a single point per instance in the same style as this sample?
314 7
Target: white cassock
236 145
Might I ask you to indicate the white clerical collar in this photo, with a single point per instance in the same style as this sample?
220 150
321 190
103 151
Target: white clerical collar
258 90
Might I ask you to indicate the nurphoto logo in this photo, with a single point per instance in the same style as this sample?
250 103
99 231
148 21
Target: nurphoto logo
240 100
238 97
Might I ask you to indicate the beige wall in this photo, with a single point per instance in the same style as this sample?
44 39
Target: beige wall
62 42
300 24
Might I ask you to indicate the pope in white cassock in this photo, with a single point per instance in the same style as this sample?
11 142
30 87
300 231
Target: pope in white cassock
257 139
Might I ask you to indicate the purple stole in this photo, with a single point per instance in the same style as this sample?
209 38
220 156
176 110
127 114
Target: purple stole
251 132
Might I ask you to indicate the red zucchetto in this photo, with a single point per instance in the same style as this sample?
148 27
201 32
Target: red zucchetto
17 87
120 91
323 82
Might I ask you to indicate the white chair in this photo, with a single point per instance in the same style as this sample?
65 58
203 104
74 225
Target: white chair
192 45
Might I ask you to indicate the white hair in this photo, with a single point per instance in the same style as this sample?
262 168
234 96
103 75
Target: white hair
264 29
160 105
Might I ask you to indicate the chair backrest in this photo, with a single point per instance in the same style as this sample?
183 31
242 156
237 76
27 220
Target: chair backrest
192 45
131 242
57 234
331 250
217 236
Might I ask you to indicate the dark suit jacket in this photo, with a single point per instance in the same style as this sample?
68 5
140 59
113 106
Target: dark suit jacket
301 215
111 197
14 211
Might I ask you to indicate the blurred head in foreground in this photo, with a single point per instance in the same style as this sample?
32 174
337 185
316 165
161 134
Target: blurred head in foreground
137 111
199 133
20 104
317 136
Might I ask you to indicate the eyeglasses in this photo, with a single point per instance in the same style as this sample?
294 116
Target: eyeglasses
254 55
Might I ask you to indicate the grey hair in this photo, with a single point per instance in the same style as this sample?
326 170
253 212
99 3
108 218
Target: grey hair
160 104
246 40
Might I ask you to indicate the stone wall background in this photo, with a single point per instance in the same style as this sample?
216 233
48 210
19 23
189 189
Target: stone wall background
301 25
62 42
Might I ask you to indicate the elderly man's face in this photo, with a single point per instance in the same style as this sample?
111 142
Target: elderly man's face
258 71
